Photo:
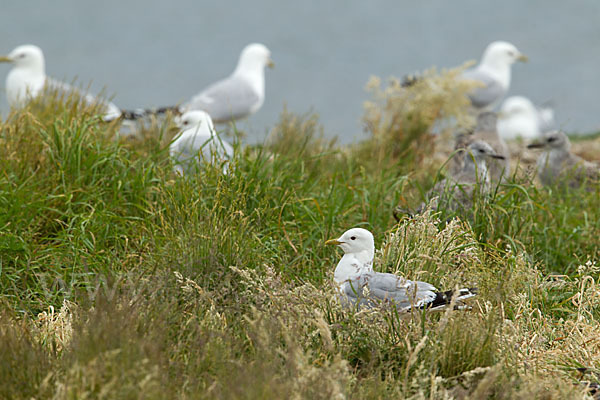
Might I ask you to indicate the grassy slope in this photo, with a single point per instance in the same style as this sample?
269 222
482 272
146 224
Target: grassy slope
121 281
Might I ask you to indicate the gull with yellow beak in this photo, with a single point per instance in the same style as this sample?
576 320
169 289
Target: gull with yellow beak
239 95
493 73
360 285
27 79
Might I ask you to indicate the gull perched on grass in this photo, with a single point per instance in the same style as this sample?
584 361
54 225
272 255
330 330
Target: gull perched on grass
520 118
558 165
458 191
198 139
239 95
27 79
493 73
359 284
485 130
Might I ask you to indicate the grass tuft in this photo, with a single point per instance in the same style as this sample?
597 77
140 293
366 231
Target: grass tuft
121 280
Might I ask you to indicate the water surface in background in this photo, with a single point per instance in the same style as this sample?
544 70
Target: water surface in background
149 53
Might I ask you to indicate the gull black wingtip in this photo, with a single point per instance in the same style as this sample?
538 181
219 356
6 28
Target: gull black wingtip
444 299
140 113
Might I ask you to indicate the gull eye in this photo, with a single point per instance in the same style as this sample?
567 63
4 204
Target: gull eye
353 238
22 55
550 140
185 122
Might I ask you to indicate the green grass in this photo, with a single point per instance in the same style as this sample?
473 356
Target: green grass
121 280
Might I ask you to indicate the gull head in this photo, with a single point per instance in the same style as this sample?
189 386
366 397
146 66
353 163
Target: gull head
555 140
255 56
517 106
518 117
195 119
481 150
502 54
26 56
355 240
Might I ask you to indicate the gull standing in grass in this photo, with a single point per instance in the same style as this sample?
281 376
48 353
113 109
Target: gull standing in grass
239 95
459 190
558 165
198 139
493 73
485 130
520 118
27 79
359 284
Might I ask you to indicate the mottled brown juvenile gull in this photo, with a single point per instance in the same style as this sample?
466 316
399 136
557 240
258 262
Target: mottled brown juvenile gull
485 130
359 284
557 165
458 191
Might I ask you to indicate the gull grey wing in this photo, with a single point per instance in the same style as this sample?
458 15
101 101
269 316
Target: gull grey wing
482 97
352 291
111 110
404 293
225 100
384 287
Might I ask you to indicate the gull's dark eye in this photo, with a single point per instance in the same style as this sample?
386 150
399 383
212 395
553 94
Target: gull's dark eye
550 140
22 55
185 122
353 238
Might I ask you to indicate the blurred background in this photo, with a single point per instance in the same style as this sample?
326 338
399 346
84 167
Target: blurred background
154 53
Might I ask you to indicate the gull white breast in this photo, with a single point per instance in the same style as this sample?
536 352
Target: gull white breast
360 285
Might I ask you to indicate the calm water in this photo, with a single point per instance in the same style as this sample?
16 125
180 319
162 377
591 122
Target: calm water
150 53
